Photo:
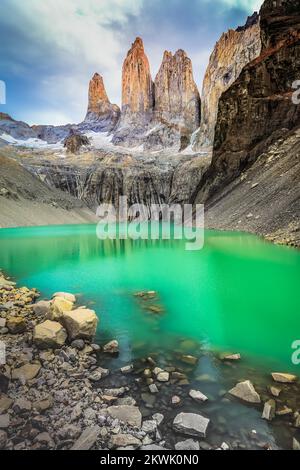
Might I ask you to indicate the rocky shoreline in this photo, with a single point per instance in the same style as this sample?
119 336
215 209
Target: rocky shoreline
57 393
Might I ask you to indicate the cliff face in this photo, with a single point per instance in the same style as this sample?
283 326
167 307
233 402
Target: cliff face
177 99
258 111
233 51
137 95
101 113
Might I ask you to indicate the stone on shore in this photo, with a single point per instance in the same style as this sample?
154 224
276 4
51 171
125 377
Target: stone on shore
296 444
87 439
124 440
197 396
163 376
5 403
275 391
188 444
42 308
26 372
191 424
49 335
130 415
246 392
269 410
81 323
284 378
16 325
112 347
66 296
59 306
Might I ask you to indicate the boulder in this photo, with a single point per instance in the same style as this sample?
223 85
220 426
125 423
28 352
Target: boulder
284 378
59 305
81 323
191 424
16 325
246 392
129 415
197 396
49 334
87 439
112 347
26 372
269 410
124 440
66 296
189 444
42 308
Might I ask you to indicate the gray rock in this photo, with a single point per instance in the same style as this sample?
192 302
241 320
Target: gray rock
42 307
4 421
149 426
163 376
197 396
78 344
246 392
189 444
153 447
269 410
158 417
153 388
124 440
130 415
127 369
3 439
87 439
21 405
112 347
191 424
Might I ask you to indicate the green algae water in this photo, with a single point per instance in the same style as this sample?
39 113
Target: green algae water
239 293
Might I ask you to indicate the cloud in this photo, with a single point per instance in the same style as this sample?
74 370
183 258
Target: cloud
50 49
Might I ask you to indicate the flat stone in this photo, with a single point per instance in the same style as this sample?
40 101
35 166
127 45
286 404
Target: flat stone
4 421
269 410
111 348
246 392
127 369
191 424
285 411
2 322
124 440
26 372
153 388
187 359
87 439
284 378
230 357
49 335
115 392
130 415
81 323
5 403
43 405
197 396
98 374
188 444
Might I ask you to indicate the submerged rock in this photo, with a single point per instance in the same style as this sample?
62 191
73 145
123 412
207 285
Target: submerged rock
246 392
191 424
112 347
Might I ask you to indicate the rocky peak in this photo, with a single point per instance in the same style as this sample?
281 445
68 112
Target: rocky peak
234 50
137 85
279 20
101 113
177 99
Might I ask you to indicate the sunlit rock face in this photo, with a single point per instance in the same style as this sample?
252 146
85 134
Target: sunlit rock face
233 51
258 127
137 96
177 99
101 114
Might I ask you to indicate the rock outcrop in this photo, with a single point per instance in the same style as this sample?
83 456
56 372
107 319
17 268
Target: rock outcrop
102 116
75 141
177 101
233 51
257 121
137 95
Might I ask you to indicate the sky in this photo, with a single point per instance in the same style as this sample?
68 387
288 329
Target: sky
50 49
